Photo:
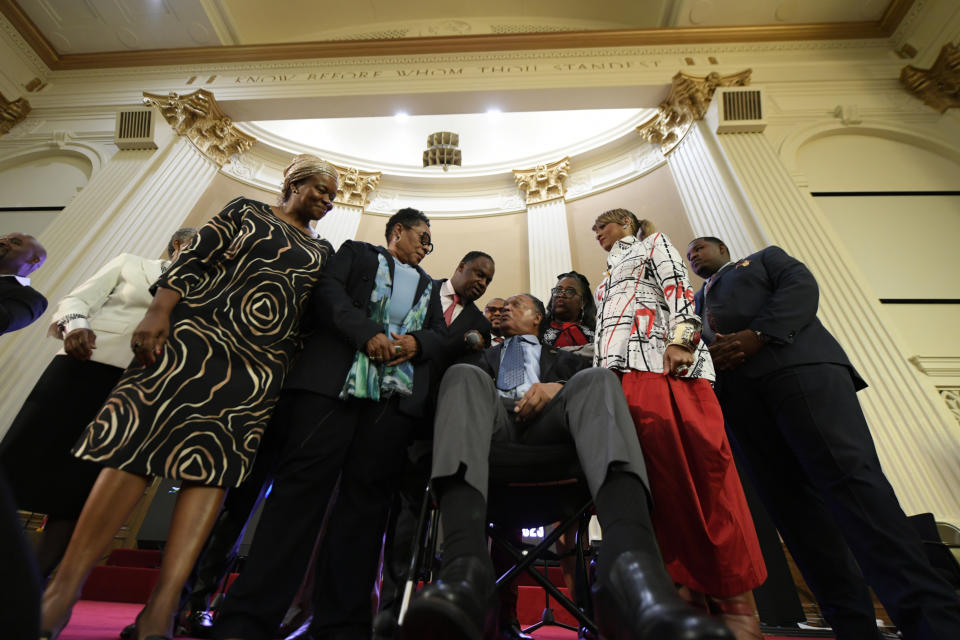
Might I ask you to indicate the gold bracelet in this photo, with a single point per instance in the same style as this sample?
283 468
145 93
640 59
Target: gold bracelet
684 335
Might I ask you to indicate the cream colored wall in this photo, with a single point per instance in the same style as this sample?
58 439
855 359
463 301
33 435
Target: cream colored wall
904 245
222 190
503 237
653 196
47 180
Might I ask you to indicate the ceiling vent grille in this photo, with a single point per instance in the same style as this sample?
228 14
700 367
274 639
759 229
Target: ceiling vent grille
739 110
135 129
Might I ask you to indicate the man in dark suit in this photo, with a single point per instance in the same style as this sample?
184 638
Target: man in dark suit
20 304
336 436
788 393
458 296
525 393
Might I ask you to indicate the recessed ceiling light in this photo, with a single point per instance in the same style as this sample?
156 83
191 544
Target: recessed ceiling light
494 111
401 116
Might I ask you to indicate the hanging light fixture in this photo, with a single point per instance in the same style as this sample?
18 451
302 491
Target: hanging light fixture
442 149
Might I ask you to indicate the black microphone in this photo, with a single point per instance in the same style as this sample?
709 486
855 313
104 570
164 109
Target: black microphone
473 339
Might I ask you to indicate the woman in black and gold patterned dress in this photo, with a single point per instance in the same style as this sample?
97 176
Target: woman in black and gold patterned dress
213 349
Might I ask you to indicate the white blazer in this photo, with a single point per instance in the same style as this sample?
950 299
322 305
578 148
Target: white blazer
114 302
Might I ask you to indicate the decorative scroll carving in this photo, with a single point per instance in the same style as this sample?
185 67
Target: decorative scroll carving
951 395
198 117
543 182
355 186
938 86
12 113
688 101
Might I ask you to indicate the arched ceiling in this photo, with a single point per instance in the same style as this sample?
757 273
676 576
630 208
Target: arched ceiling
490 142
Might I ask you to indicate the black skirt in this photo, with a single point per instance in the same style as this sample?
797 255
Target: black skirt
43 474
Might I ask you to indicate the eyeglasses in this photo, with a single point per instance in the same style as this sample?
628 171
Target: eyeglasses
425 241
494 309
559 292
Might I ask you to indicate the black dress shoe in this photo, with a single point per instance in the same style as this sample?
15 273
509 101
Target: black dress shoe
460 605
641 603
511 630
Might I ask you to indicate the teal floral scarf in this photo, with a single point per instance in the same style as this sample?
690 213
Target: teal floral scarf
372 380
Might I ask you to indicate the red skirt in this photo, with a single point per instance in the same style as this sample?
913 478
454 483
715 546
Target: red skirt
700 514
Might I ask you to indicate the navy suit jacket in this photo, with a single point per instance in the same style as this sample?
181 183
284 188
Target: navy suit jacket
341 325
556 365
775 294
19 305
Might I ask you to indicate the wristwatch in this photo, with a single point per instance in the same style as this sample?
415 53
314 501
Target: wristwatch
761 336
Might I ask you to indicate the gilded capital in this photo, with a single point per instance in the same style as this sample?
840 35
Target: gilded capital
12 113
687 102
355 186
938 86
198 117
544 181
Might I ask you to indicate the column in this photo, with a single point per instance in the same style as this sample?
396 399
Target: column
548 239
708 188
353 193
916 436
132 204
711 198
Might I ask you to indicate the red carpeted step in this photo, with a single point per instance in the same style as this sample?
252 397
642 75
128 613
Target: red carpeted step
120 584
145 559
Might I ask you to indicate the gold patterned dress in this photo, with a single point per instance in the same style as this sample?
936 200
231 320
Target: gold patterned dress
198 413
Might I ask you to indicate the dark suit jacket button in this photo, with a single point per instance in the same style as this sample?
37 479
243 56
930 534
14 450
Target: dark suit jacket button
357 304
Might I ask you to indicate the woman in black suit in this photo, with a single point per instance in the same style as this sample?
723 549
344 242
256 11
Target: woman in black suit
350 405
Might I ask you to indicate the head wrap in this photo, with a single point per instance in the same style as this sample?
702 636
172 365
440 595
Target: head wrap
304 166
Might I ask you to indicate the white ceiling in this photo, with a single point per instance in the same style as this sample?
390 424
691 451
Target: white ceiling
91 26
490 142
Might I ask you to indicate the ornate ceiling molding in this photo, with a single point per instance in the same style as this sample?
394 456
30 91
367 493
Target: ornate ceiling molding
198 117
543 182
688 101
938 86
446 44
12 113
355 186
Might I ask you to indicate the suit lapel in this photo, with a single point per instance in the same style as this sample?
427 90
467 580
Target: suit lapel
548 358
492 356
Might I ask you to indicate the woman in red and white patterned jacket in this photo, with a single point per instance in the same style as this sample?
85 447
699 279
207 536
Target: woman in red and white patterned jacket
648 332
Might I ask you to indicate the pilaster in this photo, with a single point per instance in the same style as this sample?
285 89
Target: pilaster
915 434
547 235
710 194
354 189
132 204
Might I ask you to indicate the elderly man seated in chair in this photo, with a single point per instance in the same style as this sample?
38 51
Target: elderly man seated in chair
525 393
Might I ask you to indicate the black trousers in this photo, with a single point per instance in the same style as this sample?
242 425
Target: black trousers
219 554
19 578
808 447
362 443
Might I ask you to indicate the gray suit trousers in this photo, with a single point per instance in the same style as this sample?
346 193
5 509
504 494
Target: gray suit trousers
590 412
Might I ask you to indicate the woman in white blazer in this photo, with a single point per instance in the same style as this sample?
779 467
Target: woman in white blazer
95 321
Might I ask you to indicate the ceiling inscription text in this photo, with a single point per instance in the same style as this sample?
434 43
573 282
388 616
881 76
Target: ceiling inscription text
609 66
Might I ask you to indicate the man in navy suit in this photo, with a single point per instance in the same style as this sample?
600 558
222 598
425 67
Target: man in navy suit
788 393
20 304
526 393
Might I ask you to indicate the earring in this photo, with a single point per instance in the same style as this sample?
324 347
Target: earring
298 191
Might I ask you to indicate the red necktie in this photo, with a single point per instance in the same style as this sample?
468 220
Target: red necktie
448 314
